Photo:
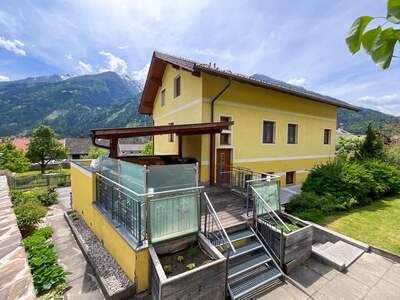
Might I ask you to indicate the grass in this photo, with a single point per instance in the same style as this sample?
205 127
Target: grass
37 173
376 224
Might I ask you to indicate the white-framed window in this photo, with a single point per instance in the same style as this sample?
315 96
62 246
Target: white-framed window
327 136
225 138
269 128
177 86
162 96
290 177
171 135
292 134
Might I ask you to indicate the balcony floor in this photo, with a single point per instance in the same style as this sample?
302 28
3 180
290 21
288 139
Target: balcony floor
229 206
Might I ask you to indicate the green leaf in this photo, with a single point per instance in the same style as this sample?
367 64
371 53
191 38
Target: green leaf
393 11
382 50
353 39
370 37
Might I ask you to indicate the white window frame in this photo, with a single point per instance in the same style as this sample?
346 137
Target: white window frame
297 133
229 131
330 137
180 86
274 133
162 98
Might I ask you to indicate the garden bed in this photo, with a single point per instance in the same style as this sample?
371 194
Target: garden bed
114 282
296 246
205 281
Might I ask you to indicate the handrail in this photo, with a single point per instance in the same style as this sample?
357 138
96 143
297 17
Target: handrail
215 217
152 193
269 207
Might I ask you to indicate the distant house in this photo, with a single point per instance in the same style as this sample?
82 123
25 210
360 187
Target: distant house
77 147
22 143
130 149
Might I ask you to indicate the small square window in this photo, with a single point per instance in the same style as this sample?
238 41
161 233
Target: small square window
177 86
292 134
327 136
290 177
268 132
226 119
163 97
225 139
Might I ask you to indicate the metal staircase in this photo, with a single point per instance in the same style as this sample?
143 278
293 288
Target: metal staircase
251 269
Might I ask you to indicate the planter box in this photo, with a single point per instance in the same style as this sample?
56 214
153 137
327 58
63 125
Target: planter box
296 246
204 282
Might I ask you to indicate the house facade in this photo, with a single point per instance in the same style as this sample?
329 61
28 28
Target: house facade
278 128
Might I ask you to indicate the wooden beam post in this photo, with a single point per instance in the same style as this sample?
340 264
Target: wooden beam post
113 147
180 146
212 158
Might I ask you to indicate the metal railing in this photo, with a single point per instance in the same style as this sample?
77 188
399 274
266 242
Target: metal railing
142 214
237 178
216 233
125 206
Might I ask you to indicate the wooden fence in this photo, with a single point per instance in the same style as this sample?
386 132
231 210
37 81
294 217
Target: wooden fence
45 180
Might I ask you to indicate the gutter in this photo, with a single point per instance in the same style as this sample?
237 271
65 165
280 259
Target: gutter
212 136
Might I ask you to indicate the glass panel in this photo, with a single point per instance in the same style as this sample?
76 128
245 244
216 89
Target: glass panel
173 215
269 191
171 177
268 132
292 134
127 174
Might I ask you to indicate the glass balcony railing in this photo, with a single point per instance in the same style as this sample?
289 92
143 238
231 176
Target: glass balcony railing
150 202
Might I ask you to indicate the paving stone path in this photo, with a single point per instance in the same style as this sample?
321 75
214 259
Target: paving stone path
82 281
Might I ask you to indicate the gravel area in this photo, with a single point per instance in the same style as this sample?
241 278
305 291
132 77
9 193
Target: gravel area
114 279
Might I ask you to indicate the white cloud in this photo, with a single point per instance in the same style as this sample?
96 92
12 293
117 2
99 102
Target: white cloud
114 63
123 47
389 104
84 68
141 75
4 78
297 81
12 46
68 56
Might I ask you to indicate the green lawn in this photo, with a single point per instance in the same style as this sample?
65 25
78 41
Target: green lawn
36 173
377 224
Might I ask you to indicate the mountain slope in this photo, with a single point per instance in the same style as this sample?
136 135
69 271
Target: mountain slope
357 122
72 106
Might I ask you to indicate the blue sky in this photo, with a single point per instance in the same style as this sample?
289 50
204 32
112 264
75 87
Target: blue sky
301 42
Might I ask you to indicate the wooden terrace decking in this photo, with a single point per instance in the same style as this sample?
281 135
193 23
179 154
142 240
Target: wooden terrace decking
229 206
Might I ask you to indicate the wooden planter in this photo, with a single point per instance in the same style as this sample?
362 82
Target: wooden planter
296 246
204 282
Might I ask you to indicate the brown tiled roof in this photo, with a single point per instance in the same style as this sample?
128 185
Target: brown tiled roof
159 61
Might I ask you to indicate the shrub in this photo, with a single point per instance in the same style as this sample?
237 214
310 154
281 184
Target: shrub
28 215
48 197
386 178
42 260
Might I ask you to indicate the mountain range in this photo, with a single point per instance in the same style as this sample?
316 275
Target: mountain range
73 105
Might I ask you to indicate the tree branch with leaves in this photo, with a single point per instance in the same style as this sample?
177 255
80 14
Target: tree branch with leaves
379 42
44 147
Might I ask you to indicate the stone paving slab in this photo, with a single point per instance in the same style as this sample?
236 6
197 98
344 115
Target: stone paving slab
344 252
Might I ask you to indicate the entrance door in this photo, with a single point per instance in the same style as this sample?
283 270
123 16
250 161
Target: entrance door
224 162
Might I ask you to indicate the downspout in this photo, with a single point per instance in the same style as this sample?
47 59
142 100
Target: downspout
212 136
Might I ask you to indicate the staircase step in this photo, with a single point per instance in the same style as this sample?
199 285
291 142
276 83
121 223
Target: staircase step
250 283
248 264
325 246
243 249
240 235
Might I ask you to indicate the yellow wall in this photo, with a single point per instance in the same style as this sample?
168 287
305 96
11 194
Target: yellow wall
185 109
134 263
248 106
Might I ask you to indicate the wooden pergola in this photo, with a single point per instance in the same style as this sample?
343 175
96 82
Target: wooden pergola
113 134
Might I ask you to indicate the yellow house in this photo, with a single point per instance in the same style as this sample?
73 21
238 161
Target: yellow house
210 126
278 128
